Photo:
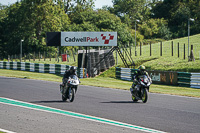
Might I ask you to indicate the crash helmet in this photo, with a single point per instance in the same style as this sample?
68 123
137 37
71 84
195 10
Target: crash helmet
142 68
72 69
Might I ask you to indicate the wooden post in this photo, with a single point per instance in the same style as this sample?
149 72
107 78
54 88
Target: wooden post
34 56
184 51
150 48
191 54
29 57
172 48
178 49
15 57
39 55
160 48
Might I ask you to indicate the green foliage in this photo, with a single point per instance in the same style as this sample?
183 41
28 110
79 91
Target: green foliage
100 20
155 28
177 13
30 20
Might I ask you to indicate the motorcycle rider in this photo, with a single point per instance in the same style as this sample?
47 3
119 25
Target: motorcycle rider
137 75
71 71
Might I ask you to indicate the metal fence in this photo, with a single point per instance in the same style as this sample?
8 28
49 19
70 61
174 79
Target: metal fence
41 68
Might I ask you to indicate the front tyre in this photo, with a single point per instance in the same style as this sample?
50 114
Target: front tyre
71 94
144 95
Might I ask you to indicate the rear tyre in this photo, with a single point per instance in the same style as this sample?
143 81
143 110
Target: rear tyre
64 98
144 95
134 99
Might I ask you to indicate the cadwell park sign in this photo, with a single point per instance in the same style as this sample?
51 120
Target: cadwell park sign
81 38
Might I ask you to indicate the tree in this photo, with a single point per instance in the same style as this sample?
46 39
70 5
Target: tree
30 20
155 28
2 17
177 13
131 9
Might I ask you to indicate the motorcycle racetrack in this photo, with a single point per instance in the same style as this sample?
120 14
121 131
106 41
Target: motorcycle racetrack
36 106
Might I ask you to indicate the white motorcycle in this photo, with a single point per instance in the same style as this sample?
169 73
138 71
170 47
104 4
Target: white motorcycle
69 91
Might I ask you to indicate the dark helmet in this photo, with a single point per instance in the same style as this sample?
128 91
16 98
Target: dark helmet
142 68
72 69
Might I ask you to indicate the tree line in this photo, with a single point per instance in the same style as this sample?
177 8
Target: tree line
31 19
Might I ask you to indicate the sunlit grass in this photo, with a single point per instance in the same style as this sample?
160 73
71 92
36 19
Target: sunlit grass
167 62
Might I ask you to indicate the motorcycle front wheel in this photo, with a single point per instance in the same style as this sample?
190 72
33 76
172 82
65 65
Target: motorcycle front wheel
144 95
71 94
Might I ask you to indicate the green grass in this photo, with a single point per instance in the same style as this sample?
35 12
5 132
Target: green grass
167 62
102 81
30 75
71 61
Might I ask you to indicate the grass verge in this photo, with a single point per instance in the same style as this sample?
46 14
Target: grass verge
103 82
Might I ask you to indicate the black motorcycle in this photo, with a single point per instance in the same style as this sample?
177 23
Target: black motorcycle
140 91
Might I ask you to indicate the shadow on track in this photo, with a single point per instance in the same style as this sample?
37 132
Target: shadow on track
56 101
120 102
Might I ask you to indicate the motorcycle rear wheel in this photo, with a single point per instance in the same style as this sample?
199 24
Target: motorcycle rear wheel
134 99
64 98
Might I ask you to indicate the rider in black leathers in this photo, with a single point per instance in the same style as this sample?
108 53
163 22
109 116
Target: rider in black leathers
137 75
71 71
68 73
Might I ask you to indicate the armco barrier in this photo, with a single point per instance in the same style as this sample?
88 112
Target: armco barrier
159 77
41 68
124 73
189 79
164 77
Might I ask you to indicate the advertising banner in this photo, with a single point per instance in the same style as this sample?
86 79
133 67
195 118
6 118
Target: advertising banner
164 77
88 38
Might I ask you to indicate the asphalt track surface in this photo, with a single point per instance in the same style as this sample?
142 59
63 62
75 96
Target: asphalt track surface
166 113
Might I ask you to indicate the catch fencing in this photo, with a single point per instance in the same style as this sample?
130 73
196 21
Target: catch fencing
183 79
41 68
